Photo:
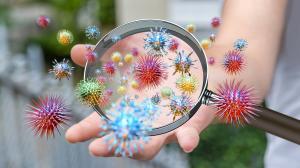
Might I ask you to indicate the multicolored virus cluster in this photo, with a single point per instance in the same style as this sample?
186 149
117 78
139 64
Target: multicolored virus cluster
90 92
150 71
47 115
92 32
180 105
43 21
157 42
62 69
125 131
236 104
65 37
183 63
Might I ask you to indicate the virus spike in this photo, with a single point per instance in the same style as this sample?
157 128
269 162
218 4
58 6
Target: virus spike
46 115
233 62
92 32
236 103
90 92
61 69
149 71
180 105
157 42
187 84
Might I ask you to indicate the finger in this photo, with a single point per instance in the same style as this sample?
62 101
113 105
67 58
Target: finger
188 138
85 129
77 54
100 148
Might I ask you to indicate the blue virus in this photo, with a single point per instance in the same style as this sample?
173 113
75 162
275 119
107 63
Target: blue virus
115 38
62 69
155 99
128 126
157 42
240 44
183 63
92 32
180 105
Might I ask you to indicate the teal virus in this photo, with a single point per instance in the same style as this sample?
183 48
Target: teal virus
240 44
92 32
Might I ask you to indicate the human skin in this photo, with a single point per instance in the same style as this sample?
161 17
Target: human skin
260 22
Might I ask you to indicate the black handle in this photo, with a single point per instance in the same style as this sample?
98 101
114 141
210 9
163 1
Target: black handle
277 124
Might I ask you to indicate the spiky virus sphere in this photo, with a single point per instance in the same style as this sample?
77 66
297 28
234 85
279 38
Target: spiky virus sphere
155 99
187 84
157 42
43 21
180 105
92 32
109 68
135 51
240 44
46 115
128 130
215 22
236 103
166 92
62 69
191 28
65 37
183 63
149 71
233 62
173 45
90 92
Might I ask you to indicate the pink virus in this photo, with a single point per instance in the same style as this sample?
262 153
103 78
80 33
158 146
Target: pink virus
43 21
47 114
236 103
135 51
233 62
102 79
149 71
90 55
215 22
211 60
173 46
109 68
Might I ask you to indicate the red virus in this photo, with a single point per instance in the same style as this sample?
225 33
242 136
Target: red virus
233 62
149 71
135 52
173 46
90 55
236 103
109 68
215 22
46 115
43 21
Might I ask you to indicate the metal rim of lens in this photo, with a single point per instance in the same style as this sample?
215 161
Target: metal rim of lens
144 25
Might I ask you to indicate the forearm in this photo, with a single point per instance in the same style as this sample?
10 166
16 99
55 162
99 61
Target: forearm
260 22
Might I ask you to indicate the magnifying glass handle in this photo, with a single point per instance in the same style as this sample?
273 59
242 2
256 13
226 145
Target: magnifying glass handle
277 124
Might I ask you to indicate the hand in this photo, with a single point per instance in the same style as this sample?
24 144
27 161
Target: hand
187 136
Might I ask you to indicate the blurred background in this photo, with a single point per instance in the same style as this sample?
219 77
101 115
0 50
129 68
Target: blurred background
26 54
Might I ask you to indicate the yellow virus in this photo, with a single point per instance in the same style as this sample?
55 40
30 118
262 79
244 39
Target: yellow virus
134 84
187 84
205 43
191 28
65 37
128 58
116 57
121 90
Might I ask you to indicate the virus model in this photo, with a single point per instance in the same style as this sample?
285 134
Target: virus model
233 62
240 44
116 57
183 63
92 32
128 58
125 131
211 60
149 71
109 68
65 37
47 115
191 28
166 92
156 99
90 92
43 21
212 37
215 22
205 43
236 103
187 84
62 69
135 51
180 105
157 42
173 45
90 55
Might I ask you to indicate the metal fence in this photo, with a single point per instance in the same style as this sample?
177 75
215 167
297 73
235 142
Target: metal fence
23 77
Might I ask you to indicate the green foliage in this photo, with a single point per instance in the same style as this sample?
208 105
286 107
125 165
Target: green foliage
228 147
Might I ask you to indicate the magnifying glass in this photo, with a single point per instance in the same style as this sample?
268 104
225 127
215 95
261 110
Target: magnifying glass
174 81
